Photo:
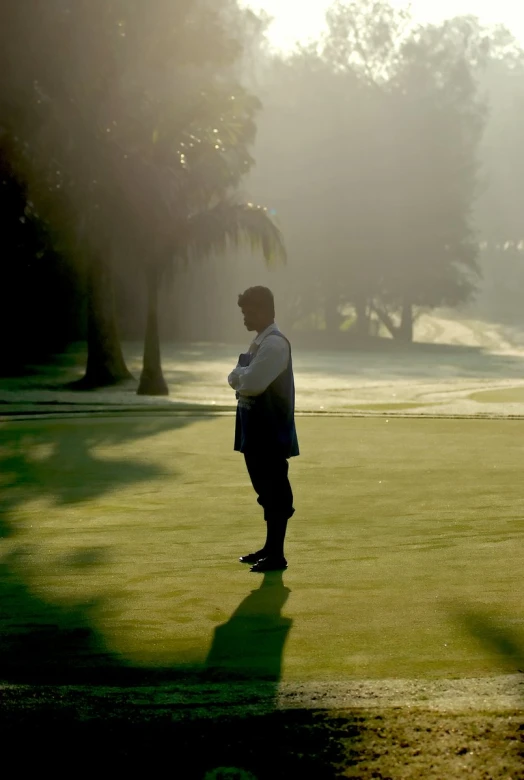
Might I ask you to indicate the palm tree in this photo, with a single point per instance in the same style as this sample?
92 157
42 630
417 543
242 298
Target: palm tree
106 122
227 224
193 170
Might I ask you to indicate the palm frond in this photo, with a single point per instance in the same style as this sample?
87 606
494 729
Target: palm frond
232 224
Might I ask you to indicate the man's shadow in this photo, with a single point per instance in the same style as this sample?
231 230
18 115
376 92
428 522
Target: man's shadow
251 644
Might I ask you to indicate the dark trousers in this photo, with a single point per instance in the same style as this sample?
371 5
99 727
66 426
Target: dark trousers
269 477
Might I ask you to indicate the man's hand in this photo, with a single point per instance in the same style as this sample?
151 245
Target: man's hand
270 360
234 378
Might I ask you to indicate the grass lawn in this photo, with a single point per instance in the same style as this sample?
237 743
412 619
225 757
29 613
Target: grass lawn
420 379
119 588
121 536
509 395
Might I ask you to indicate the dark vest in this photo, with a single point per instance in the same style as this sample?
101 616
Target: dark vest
265 423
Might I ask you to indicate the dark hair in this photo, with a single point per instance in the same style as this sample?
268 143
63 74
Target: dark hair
261 297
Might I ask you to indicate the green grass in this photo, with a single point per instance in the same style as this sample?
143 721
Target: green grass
123 535
507 395
389 407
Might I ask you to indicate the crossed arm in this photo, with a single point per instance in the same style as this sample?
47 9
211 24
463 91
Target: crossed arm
271 359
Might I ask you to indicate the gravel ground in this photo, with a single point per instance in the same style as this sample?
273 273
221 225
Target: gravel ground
358 731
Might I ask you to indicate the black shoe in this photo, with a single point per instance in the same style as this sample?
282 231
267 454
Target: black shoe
253 557
271 563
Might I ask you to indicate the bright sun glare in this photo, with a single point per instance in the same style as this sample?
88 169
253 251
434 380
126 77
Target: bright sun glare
302 20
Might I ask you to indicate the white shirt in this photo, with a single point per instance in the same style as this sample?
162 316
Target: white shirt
271 358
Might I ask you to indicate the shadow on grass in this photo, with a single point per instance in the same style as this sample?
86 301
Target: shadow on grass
57 460
504 644
66 372
110 712
58 676
376 358
251 644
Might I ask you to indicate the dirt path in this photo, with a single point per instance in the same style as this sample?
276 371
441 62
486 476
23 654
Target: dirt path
359 731
501 694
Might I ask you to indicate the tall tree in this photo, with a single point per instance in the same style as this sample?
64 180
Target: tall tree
388 117
196 169
27 255
431 123
97 92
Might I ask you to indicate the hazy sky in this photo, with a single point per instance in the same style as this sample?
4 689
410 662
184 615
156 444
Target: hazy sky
303 19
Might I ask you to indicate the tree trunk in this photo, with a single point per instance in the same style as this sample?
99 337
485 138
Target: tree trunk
152 380
361 326
386 320
405 331
105 361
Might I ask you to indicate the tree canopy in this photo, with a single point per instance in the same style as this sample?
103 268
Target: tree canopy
387 149
135 132
384 186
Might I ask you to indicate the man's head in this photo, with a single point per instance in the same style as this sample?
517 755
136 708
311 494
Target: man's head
258 308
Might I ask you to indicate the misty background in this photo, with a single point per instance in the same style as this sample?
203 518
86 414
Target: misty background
385 157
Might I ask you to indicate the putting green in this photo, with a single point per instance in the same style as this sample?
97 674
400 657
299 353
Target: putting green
507 395
405 553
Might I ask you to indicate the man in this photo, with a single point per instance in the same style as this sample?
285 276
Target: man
265 424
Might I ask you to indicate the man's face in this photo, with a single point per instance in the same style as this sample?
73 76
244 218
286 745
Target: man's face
256 317
251 314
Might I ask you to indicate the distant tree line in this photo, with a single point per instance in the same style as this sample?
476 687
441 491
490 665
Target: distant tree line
389 186
387 151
